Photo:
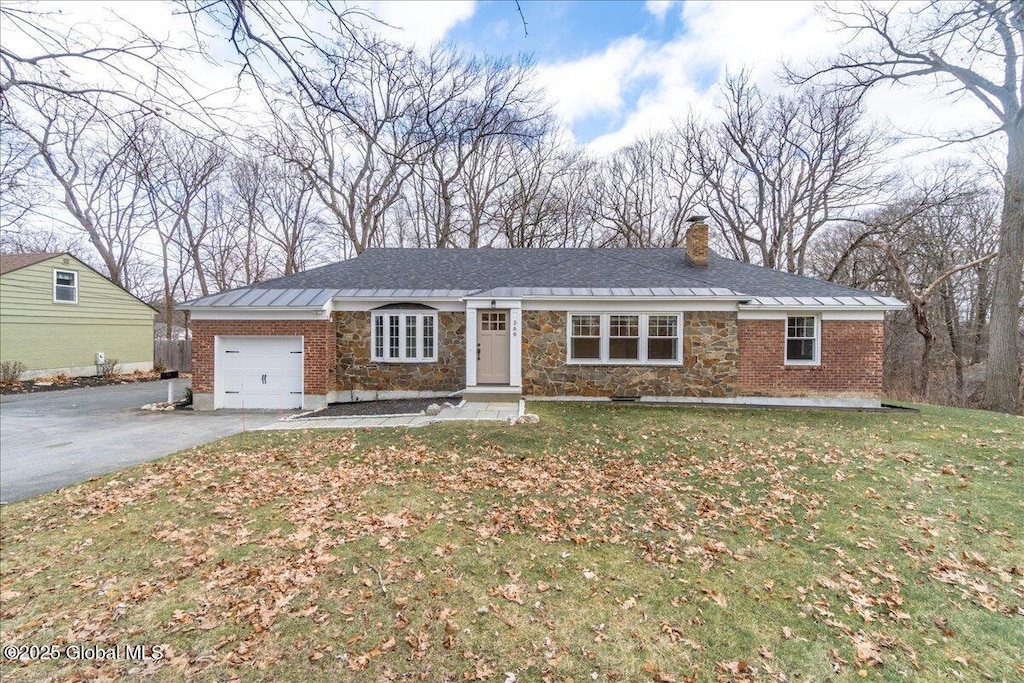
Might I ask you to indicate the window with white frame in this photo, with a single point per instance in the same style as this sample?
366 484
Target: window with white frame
404 336
663 337
585 337
624 337
619 338
65 286
802 347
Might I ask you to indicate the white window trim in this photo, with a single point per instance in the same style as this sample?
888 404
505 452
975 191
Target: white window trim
816 360
62 301
402 336
606 339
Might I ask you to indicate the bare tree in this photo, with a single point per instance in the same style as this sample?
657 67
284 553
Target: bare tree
776 170
469 106
87 154
930 247
977 48
175 171
544 201
357 162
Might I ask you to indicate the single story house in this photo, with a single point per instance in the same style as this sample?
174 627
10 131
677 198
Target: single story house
636 324
59 316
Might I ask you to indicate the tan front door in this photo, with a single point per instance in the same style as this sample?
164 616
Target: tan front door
492 366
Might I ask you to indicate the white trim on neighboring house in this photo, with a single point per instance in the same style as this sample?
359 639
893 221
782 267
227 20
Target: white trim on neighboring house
73 287
86 370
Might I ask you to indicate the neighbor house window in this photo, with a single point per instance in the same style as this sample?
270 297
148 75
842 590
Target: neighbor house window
624 338
404 337
802 340
65 286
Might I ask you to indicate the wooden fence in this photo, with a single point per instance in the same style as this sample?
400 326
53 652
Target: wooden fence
173 354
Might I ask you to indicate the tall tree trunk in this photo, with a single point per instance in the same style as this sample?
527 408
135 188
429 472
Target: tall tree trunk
1002 379
981 306
920 312
955 343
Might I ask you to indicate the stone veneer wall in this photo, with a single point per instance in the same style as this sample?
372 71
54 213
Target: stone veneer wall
851 360
356 372
709 368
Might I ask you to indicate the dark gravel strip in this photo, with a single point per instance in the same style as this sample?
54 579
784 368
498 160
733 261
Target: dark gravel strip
403 406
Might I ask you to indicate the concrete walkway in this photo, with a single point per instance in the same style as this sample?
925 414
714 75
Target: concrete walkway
464 411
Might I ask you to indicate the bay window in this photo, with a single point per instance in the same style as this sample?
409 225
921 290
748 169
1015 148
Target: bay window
620 338
404 336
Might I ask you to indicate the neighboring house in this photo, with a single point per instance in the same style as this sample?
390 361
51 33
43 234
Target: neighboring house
650 324
58 315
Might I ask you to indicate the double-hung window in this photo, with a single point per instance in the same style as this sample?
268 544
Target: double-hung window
624 338
802 340
586 337
404 337
663 337
65 286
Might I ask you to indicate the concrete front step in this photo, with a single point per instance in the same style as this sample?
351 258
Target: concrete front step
488 394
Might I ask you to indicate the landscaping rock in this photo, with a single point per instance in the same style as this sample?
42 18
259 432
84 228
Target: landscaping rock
433 409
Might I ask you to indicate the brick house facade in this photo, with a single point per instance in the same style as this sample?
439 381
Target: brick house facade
651 324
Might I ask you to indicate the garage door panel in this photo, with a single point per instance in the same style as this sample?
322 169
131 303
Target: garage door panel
260 372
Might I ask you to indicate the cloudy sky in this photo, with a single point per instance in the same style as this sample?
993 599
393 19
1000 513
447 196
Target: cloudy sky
615 70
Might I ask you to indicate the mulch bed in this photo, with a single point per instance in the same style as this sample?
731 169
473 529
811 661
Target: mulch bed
403 406
54 384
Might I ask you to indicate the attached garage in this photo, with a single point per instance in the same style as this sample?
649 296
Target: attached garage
259 372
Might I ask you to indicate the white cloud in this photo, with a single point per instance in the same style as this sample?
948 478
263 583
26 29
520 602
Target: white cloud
594 84
420 23
683 73
659 8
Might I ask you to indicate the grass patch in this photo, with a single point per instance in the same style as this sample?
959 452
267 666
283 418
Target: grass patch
608 543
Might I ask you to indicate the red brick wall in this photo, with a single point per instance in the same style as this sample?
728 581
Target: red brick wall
851 360
317 346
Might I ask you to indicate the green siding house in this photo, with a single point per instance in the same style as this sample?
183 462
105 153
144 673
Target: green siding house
58 315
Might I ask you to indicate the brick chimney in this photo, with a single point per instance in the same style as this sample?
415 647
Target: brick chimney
697 241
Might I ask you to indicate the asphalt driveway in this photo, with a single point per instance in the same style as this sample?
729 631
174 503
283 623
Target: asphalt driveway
56 438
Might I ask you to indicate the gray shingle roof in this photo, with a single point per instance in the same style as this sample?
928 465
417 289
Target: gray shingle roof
461 272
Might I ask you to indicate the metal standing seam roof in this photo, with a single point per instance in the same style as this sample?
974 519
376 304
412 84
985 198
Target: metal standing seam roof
460 273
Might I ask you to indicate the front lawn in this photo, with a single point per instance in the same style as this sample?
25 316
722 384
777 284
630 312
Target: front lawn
607 543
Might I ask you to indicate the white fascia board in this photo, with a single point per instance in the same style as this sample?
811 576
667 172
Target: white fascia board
510 303
631 303
246 313
844 313
370 303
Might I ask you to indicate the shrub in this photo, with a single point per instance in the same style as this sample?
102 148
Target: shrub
11 371
108 368
159 366
188 396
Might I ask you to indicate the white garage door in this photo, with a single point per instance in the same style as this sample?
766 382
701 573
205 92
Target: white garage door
259 372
